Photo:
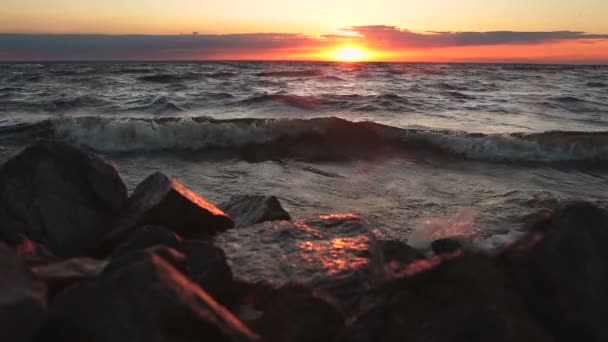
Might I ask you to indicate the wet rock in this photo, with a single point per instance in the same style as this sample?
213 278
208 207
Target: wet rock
33 253
140 299
149 236
255 295
249 210
399 252
561 270
296 314
210 270
336 253
59 195
22 298
171 256
457 298
446 245
163 201
62 274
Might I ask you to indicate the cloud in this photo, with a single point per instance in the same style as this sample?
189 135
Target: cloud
394 37
94 46
101 47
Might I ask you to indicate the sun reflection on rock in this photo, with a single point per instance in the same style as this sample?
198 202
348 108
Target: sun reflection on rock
336 255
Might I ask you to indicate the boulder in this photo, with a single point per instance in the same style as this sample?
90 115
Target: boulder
63 274
33 253
297 314
206 264
399 252
337 253
457 298
446 245
210 270
249 210
148 236
23 301
140 297
561 269
59 195
163 201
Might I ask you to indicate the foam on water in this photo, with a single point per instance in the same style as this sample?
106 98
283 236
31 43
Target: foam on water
128 135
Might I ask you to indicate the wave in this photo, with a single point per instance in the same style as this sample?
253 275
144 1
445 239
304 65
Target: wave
458 95
170 78
295 73
596 85
160 105
160 78
356 102
68 104
567 99
319 138
222 75
302 102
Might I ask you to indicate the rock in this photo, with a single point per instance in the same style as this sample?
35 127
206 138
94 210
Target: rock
163 201
210 270
399 252
33 253
296 314
561 270
255 295
140 298
62 274
249 210
460 298
336 253
22 298
149 236
446 245
204 263
59 195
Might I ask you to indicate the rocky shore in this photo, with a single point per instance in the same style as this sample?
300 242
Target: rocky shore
82 260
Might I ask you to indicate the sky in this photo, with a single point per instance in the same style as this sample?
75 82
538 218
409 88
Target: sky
399 30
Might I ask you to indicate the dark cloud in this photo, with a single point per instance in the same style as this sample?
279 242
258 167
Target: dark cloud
91 46
74 46
391 36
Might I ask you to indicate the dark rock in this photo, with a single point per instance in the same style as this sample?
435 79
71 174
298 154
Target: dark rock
399 252
140 299
446 245
149 236
59 195
255 295
210 270
561 270
33 253
204 263
22 298
60 275
296 314
161 200
447 298
249 210
171 256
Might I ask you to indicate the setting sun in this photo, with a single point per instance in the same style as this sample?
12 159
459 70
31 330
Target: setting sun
349 54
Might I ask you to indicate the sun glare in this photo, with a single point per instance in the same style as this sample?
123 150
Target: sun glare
349 54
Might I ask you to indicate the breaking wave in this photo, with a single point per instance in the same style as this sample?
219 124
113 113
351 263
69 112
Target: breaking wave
315 138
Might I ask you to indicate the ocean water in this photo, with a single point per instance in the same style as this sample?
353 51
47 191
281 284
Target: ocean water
417 150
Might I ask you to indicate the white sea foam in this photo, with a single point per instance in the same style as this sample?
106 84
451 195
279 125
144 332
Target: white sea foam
124 135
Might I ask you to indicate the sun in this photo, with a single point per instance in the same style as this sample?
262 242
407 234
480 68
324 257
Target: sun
349 54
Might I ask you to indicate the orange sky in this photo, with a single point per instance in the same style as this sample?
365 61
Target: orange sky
386 30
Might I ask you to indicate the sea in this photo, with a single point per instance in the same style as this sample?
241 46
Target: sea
417 150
